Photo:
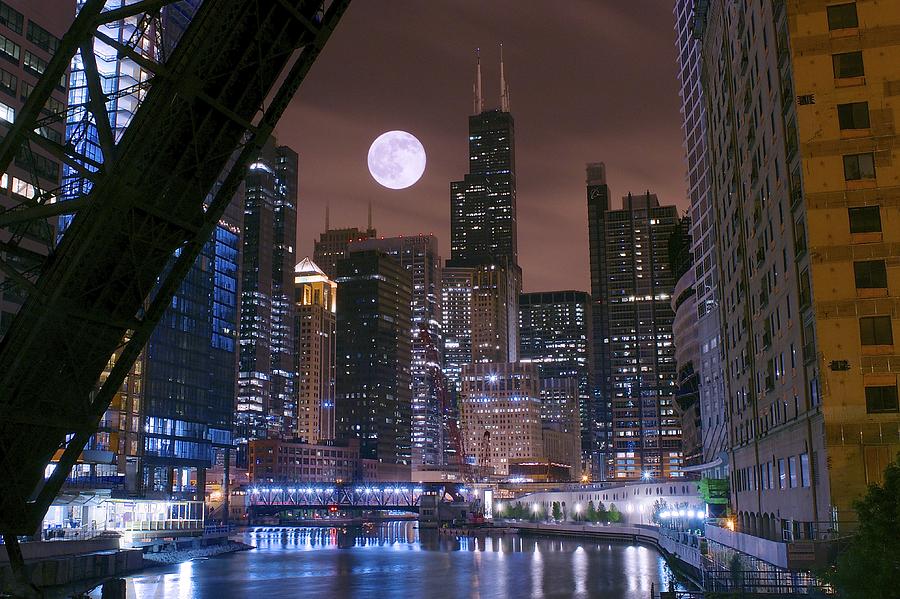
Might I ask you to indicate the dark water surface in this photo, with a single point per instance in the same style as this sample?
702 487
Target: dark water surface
397 560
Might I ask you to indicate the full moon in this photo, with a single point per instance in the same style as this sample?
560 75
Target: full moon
396 159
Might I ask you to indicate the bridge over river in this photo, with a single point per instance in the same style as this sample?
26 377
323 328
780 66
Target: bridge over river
393 496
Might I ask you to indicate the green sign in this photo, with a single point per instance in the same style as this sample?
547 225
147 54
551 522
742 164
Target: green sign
714 491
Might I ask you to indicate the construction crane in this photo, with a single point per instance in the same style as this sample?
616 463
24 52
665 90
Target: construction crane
155 198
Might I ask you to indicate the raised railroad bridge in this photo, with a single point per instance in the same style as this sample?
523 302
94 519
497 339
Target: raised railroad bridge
396 496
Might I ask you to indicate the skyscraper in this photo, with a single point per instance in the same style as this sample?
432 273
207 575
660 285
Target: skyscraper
600 414
189 374
500 415
803 179
495 313
374 354
333 244
419 255
646 430
483 204
555 330
315 300
708 369
266 403
483 231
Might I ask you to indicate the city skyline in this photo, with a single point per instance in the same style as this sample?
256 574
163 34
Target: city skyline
580 123
654 285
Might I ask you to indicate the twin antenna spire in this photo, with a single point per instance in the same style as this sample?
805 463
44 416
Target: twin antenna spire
478 95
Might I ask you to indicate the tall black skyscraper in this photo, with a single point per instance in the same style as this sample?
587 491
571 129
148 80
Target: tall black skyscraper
483 204
601 411
483 232
374 353
266 405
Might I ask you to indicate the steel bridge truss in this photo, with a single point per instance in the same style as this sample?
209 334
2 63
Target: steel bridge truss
400 496
156 195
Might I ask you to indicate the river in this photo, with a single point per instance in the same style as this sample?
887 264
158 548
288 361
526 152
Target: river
395 559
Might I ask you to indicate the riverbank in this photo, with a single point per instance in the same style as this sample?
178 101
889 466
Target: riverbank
182 555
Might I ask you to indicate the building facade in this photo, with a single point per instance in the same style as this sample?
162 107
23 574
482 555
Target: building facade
374 356
708 368
29 35
333 245
804 170
419 255
456 311
561 422
284 461
556 334
315 300
685 333
266 402
636 312
500 415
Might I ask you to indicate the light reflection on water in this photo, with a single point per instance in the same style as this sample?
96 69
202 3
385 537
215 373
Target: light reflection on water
397 560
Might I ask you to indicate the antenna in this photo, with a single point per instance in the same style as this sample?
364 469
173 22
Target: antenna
327 215
370 215
504 88
478 99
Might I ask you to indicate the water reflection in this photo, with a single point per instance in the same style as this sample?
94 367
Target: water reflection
398 560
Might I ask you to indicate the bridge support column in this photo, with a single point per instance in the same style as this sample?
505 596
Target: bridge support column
23 586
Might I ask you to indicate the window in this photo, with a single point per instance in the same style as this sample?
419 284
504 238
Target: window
9 49
782 474
859 166
866 219
870 274
34 64
793 471
854 115
881 400
8 82
804 469
842 16
849 64
11 17
7 113
42 38
876 330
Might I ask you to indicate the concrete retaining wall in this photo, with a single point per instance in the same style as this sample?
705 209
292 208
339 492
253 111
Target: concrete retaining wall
39 550
66 569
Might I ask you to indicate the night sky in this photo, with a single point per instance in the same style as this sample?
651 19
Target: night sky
590 80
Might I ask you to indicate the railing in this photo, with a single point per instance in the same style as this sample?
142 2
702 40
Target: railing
164 525
71 534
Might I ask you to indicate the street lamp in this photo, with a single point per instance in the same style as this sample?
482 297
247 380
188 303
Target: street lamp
647 475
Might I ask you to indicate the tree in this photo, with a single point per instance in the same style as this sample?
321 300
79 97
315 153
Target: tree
614 515
591 512
557 511
602 514
869 567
